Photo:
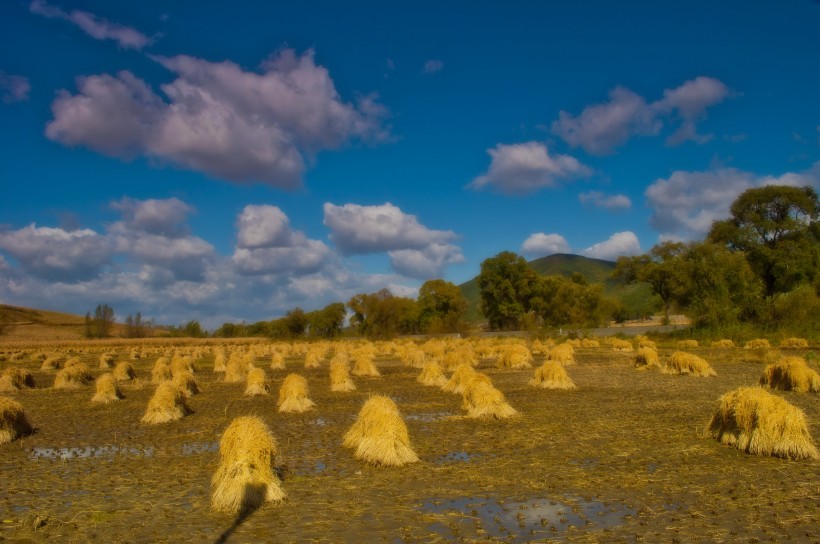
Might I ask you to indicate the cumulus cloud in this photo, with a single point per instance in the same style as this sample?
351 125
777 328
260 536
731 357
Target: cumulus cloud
373 229
617 245
219 119
541 244
13 88
55 254
162 217
609 202
96 27
427 263
600 128
686 203
528 167
263 226
432 66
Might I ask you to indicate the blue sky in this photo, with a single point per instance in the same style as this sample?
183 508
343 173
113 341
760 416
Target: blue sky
194 160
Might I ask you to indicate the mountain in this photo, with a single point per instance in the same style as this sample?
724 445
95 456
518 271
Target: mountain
637 298
18 323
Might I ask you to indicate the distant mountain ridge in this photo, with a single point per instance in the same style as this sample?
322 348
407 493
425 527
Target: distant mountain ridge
637 298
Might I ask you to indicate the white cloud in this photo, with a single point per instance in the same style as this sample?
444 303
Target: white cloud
163 217
600 128
427 263
13 88
263 226
432 66
96 27
610 202
528 167
686 203
373 229
541 244
617 245
57 255
221 120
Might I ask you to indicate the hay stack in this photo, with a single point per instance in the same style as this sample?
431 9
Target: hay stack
415 357
794 343
791 374
257 384
13 422
687 344
724 343
551 375
124 372
107 360
364 366
340 380
757 343
685 363
431 375
237 368
644 342
482 400
618 344
167 404
245 478
107 390
458 380
293 395
72 361
186 383
314 357
161 371
758 422
219 360
590 343
182 364
15 379
277 361
73 377
562 353
380 435
514 356
646 358
51 363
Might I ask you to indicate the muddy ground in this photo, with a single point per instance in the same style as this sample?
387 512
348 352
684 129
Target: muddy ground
621 459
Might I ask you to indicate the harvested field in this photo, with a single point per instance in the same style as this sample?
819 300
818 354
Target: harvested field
621 459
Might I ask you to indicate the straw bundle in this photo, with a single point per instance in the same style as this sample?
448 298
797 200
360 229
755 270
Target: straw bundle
646 358
724 343
562 353
107 360
293 395
257 384
414 357
514 356
15 379
551 375
73 377
13 421
314 357
364 366
687 344
590 343
124 372
245 478
794 343
186 383
107 389
461 375
380 435
219 359
277 361
167 404
685 363
620 345
72 361
51 363
791 374
431 375
161 371
758 422
340 380
482 400
237 368
757 343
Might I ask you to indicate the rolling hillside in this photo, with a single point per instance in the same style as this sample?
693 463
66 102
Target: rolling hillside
637 299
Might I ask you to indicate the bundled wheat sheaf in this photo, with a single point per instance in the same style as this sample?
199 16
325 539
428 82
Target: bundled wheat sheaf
482 400
167 404
620 345
758 343
13 422
685 363
794 343
379 436
340 380
73 377
161 371
107 389
245 478
432 375
723 343
687 344
15 379
514 356
124 372
219 359
755 421
590 343
257 384
293 395
461 375
562 353
551 375
107 360
277 361
51 363
646 358
364 366
645 342
186 383
791 374
236 369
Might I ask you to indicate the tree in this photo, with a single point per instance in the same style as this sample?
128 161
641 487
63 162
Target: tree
777 228
383 315
441 305
660 268
103 320
327 322
296 322
505 283
559 301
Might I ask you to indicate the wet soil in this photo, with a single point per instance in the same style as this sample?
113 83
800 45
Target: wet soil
621 459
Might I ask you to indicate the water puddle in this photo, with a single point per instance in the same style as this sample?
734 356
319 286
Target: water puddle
195 448
457 457
428 417
588 462
521 521
91 452
319 422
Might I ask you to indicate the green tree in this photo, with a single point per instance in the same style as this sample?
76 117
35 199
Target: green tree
383 315
777 228
558 302
505 285
327 322
441 305
296 322
660 268
103 320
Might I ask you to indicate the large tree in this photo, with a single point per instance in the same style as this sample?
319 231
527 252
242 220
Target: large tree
660 268
506 284
777 227
328 321
441 305
103 320
383 315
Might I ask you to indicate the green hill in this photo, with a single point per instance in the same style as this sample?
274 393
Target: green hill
637 299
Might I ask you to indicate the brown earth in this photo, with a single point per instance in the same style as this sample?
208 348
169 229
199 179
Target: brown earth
621 459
